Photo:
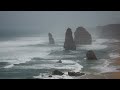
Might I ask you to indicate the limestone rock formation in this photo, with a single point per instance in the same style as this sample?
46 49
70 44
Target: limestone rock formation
75 74
50 76
91 55
51 39
82 36
69 43
60 61
57 72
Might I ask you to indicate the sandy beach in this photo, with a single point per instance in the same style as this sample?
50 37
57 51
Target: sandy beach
114 75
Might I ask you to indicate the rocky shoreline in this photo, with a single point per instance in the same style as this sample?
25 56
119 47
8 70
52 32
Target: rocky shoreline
106 75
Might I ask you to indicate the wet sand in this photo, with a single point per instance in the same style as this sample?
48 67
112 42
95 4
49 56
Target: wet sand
114 75
116 61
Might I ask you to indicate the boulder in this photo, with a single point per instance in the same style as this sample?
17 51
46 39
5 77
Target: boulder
90 55
51 39
57 72
82 36
50 76
59 61
75 74
69 43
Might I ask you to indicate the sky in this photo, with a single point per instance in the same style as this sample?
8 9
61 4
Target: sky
15 23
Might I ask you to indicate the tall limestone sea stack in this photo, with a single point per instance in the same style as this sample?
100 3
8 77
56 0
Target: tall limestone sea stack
69 43
82 36
51 39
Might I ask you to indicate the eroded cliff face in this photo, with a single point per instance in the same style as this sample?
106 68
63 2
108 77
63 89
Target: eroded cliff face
82 36
69 43
110 31
51 39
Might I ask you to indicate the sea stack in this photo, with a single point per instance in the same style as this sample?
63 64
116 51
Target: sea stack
90 55
51 39
69 43
82 36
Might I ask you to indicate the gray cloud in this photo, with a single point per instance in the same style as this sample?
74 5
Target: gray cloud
18 23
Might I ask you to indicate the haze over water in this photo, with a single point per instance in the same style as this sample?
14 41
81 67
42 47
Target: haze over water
25 52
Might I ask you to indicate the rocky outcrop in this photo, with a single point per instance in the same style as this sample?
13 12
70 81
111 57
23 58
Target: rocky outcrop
57 72
60 61
90 55
50 76
75 74
82 36
110 31
51 39
69 43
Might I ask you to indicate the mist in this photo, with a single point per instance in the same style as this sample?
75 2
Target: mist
32 23
41 45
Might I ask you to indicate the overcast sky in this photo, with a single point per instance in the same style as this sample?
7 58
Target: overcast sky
18 22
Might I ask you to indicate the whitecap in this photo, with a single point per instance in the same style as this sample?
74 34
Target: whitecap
66 65
114 55
71 65
93 47
9 66
16 61
104 67
46 76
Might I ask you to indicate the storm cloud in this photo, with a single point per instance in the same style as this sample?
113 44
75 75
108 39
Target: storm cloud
23 23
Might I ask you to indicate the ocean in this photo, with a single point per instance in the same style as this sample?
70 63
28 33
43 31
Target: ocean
34 58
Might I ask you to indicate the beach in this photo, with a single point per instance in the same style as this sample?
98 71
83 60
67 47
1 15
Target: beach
106 75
